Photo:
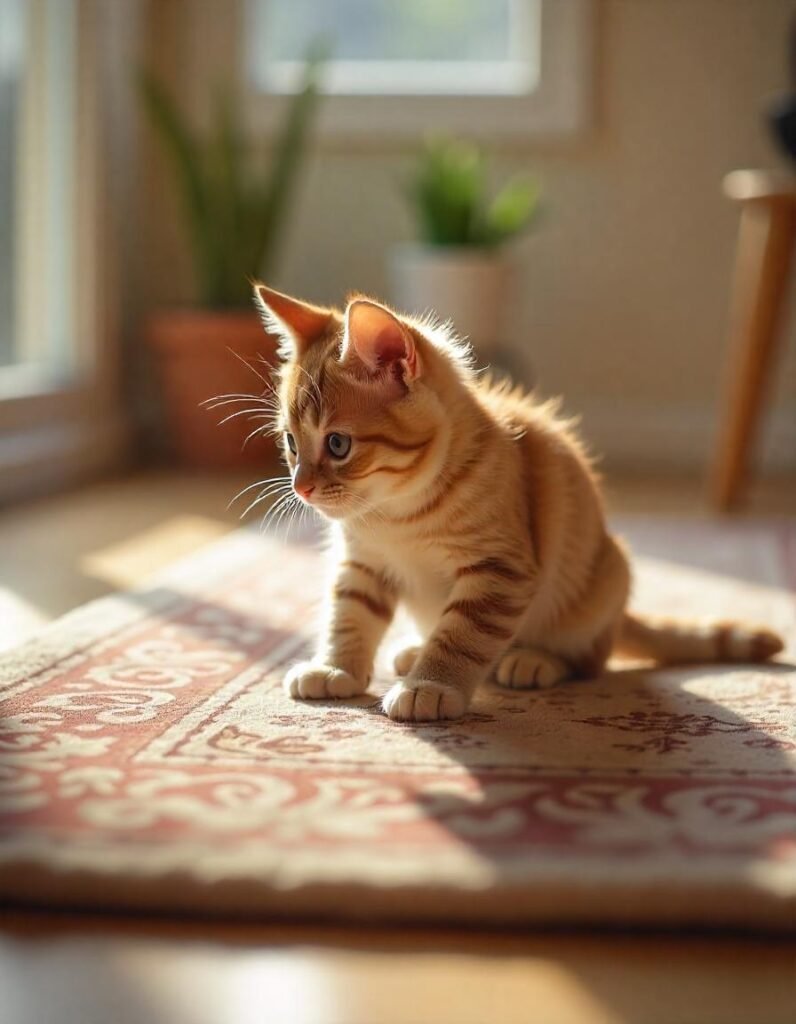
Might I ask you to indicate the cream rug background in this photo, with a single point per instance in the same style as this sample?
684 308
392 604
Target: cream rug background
149 759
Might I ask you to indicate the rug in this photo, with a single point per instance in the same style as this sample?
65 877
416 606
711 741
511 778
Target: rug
150 761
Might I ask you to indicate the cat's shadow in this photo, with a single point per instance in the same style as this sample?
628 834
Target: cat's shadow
655 764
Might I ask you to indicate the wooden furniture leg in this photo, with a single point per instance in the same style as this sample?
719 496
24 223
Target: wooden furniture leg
768 223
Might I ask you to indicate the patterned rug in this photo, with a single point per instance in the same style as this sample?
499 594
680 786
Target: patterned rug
149 760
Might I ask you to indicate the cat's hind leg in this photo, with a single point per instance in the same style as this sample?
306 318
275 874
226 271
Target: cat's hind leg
528 668
404 660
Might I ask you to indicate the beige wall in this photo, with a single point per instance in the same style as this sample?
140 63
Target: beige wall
622 293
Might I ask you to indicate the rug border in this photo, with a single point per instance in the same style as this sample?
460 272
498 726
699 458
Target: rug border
716 907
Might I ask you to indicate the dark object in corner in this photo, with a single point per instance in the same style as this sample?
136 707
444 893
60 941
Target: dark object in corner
782 115
782 118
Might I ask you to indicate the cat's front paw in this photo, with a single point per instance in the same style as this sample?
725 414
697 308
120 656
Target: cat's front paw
310 680
423 702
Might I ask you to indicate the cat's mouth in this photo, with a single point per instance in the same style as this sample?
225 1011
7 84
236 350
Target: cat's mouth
340 505
332 506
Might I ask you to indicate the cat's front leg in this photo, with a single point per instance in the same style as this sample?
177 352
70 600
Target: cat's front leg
487 604
361 605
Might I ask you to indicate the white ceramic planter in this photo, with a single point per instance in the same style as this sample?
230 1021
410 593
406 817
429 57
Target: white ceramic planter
466 285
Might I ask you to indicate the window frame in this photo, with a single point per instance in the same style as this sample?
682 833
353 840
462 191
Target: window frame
59 419
559 107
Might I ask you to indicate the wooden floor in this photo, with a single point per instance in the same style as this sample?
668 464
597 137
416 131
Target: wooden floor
60 552
93 971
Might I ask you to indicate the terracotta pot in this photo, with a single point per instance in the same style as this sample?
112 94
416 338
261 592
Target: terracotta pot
193 349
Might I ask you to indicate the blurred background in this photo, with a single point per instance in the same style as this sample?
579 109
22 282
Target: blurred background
549 174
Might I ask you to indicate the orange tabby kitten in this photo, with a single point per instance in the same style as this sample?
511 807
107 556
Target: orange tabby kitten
473 505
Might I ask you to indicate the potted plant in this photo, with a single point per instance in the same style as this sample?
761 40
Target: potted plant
459 268
234 212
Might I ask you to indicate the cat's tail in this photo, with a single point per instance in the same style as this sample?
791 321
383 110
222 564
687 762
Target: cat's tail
672 642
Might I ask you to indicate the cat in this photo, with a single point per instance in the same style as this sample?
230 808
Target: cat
472 503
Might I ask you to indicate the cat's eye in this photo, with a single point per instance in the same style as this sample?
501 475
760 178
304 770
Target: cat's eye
291 442
339 445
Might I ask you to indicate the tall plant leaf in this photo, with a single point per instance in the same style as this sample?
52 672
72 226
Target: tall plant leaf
234 217
185 155
227 196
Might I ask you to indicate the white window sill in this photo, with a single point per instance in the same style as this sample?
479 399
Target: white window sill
54 432
26 380
61 449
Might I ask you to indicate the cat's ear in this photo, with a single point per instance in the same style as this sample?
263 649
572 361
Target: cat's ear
298 324
380 341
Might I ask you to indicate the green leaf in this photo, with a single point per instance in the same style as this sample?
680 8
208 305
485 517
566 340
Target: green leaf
448 195
185 155
234 217
448 182
225 165
512 210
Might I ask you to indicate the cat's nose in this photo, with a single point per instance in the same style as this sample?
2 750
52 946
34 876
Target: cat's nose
303 480
304 490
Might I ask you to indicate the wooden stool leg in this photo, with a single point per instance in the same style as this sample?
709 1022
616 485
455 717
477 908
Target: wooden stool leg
765 247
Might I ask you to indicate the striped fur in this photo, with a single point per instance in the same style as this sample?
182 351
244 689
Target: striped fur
473 504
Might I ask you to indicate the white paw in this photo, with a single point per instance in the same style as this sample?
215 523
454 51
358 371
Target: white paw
524 669
404 661
423 702
309 680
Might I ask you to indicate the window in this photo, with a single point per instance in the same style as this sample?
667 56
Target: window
402 67
37 233
403 47
55 356
12 48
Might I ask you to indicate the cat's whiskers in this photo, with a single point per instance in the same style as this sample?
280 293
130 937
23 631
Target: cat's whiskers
264 495
298 512
286 505
218 400
249 366
254 414
257 483
258 407
265 428
315 395
278 505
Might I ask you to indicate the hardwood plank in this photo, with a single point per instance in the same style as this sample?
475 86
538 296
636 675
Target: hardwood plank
96 969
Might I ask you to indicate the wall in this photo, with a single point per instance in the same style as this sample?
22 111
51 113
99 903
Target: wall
622 293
